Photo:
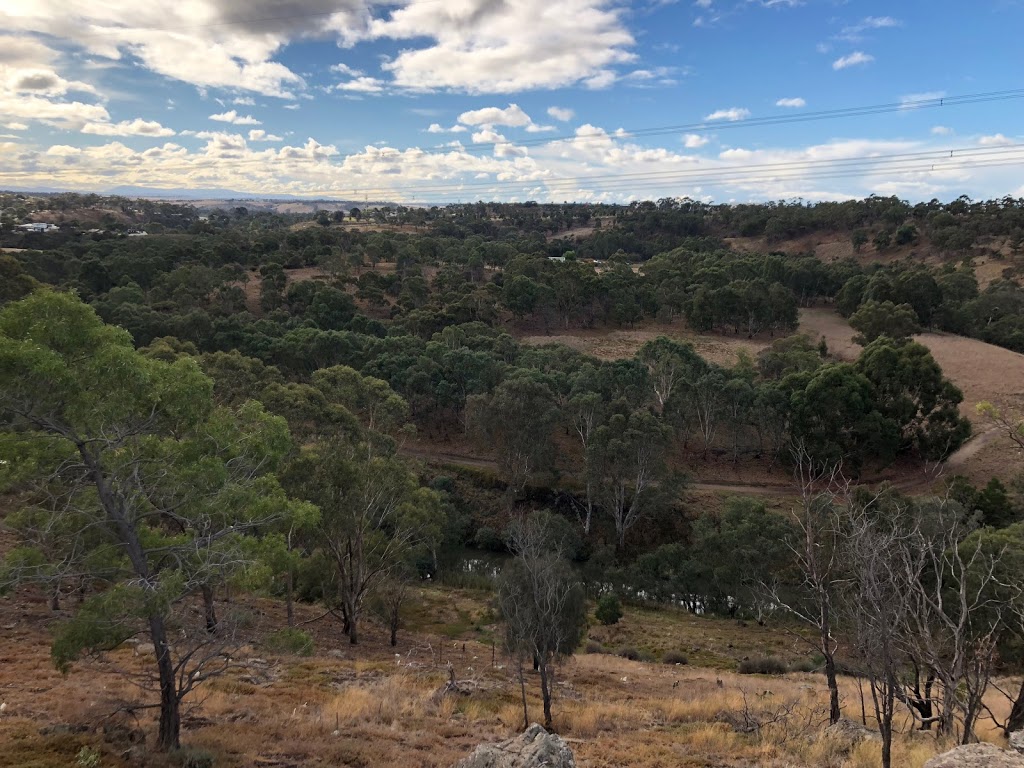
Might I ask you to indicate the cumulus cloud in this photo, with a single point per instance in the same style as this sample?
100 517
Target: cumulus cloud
996 140
852 60
513 116
473 46
732 114
561 113
484 46
258 134
231 116
438 128
793 103
694 141
362 84
560 170
136 127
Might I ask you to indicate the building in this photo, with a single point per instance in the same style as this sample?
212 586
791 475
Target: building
38 227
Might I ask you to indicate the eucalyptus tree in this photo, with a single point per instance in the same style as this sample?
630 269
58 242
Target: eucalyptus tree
162 483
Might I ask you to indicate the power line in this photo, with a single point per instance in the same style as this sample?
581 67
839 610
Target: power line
757 122
927 163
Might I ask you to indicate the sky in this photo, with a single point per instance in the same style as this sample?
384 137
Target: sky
433 101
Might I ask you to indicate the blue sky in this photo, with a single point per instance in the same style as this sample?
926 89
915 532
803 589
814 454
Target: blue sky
438 100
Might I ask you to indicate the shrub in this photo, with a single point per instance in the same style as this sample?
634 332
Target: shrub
594 647
762 665
289 640
189 757
674 657
88 758
629 652
804 665
609 609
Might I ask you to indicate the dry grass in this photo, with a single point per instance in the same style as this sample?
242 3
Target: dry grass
366 709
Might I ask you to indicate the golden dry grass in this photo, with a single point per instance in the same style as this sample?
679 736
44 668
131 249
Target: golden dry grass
366 708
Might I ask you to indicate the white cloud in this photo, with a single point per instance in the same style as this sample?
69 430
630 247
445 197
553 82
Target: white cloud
473 46
201 42
513 116
996 140
16 126
244 101
438 128
941 130
362 84
345 69
505 47
793 103
600 80
488 136
852 60
563 114
258 134
733 114
695 141
855 32
61 114
234 118
913 100
136 127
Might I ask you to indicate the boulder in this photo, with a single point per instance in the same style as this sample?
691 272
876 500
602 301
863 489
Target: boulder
1017 741
533 749
848 733
977 756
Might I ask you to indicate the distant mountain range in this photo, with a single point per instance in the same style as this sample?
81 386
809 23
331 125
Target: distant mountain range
209 195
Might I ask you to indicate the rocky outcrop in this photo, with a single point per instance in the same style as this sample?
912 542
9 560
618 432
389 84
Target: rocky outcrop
849 734
1017 741
533 749
977 756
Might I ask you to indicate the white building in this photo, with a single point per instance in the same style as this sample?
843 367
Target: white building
38 227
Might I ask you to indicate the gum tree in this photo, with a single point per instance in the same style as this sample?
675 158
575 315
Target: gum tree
163 485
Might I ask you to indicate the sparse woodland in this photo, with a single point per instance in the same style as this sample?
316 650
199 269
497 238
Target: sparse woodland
342 430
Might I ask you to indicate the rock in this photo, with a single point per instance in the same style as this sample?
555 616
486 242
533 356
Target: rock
334 653
145 649
849 734
977 756
1017 741
533 749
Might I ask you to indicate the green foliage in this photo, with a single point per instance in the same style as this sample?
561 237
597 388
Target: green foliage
289 640
609 609
674 657
883 318
88 757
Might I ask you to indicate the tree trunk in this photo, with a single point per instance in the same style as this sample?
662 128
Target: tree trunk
834 712
1016 720
522 690
348 611
394 625
170 715
209 609
289 586
55 599
545 692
